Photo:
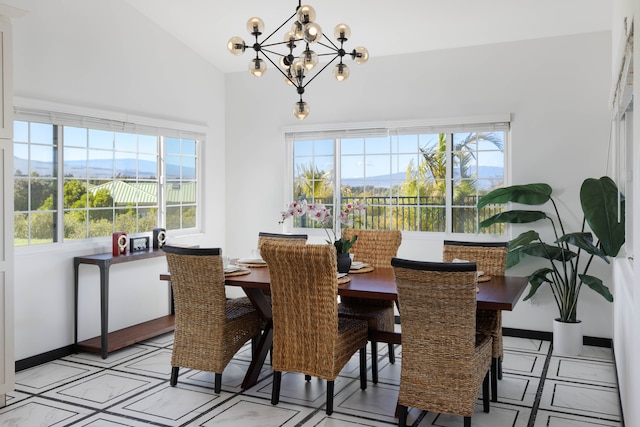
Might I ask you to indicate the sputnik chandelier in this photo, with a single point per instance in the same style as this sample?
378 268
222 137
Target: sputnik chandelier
295 67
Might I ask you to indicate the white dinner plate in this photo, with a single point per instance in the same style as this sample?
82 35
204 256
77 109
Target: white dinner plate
252 261
357 265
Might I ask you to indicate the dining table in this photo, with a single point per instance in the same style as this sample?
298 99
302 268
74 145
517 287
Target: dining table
496 293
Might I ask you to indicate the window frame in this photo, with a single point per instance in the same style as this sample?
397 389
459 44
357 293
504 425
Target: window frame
448 125
65 115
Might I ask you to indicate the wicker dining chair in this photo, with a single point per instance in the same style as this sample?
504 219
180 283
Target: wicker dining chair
209 328
445 363
491 258
308 335
376 248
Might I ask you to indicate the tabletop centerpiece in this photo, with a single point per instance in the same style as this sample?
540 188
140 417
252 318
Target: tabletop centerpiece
322 215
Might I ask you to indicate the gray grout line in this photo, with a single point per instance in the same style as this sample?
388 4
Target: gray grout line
543 377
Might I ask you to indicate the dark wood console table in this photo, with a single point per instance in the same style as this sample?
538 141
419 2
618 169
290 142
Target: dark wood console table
109 342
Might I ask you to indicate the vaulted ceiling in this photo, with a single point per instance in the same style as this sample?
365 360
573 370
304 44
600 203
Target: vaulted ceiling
384 27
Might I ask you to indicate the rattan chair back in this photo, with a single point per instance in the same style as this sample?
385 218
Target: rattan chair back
375 247
304 299
441 368
491 257
293 239
209 330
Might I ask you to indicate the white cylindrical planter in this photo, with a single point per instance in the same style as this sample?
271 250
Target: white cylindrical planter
567 338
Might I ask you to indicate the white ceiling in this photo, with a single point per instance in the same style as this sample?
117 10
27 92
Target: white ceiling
383 27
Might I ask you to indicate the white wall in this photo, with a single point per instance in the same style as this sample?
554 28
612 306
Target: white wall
557 90
105 55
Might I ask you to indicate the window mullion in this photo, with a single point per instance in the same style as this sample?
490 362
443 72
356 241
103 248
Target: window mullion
449 168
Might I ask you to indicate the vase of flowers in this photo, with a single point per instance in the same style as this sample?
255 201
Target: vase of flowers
322 215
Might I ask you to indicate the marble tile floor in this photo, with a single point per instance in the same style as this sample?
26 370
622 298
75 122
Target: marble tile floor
131 388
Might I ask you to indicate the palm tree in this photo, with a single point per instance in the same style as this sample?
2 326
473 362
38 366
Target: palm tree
429 178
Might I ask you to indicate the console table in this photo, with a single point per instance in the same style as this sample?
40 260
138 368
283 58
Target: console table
109 342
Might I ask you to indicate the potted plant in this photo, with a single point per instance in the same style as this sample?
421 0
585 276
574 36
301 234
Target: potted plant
321 214
565 272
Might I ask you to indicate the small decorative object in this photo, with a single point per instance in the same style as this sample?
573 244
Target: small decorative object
321 214
344 262
159 237
140 243
119 243
565 275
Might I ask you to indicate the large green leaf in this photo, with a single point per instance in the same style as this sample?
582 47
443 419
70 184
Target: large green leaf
514 217
585 242
537 279
597 285
524 239
543 250
599 199
515 254
528 194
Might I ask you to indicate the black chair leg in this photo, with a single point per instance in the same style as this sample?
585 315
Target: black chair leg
275 391
174 376
494 379
392 354
402 415
374 362
467 421
254 344
363 368
330 385
485 393
217 382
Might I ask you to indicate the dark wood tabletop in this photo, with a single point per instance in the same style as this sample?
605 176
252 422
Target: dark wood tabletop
499 293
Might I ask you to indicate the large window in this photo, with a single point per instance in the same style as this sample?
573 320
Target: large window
411 179
77 182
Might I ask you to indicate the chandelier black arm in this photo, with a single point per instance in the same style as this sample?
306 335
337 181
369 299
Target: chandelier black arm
281 25
321 70
333 46
282 72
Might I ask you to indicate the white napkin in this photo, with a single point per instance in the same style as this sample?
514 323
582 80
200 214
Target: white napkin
357 265
252 260
231 268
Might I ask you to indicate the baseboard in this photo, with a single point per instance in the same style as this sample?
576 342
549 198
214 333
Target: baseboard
548 336
39 359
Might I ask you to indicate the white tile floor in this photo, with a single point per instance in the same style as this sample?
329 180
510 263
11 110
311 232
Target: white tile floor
131 388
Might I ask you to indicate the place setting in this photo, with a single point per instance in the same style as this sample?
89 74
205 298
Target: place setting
255 260
231 270
360 267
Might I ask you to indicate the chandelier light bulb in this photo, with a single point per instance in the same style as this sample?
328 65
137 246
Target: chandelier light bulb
342 32
309 58
288 79
312 32
341 72
297 29
255 26
257 67
236 46
290 38
360 55
301 110
306 14
298 69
